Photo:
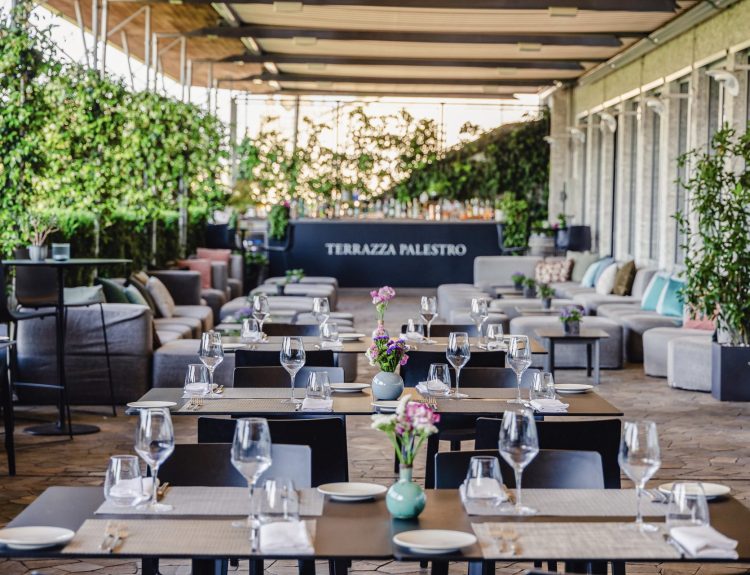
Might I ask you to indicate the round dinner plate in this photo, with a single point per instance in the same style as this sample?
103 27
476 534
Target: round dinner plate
431 541
349 387
151 404
27 538
351 491
573 387
385 406
351 336
712 490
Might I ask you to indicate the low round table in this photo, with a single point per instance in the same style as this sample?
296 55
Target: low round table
591 338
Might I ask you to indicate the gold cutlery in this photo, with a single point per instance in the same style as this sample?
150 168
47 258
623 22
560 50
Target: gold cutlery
161 491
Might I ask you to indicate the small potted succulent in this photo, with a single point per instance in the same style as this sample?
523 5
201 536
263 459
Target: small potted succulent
529 288
571 320
39 229
546 293
517 279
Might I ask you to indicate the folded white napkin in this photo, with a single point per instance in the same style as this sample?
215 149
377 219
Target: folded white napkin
331 345
704 541
412 336
285 538
433 387
549 405
315 404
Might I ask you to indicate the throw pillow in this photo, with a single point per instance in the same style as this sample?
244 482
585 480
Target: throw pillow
653 292
670 301
603 265
141 276
624 279
606 281
549 271
203 267
694 320
214 255
113 291
581 262
589 278
162 297
134 296
143 290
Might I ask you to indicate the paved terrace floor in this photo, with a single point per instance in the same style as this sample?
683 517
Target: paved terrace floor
701 439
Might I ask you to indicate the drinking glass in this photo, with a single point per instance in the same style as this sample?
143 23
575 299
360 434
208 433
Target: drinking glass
122 485
261 310
519 358
484 481
518 444
251 456
329 332
439 373
196 380
542 386
479 312
428 312
493 336
211 354
687 505
292 359
318 385
280 501
250 330
413 329
639 458
458 353
154 442
321 309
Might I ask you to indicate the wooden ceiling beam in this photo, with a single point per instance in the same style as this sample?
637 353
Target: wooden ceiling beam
281 78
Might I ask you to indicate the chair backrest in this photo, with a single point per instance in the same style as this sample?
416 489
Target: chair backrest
36 286
444 329
550 469
419 362
251 358
602 436
326 437
281 329
278 376
494 377
210 465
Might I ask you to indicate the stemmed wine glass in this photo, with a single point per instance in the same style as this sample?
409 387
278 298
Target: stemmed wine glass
251 456
479 313
519 358
639 458
292 360
261 311
518 444
211 354
458 353
154 442
321 309
428 312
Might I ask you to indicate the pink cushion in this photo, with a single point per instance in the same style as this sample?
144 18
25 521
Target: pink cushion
214 255
201 266
692 320
553 270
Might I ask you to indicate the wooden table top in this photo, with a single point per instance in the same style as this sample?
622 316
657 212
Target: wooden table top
557 333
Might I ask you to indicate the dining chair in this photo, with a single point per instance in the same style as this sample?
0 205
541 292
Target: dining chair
415 370
278 376
444 329
282 329
267 358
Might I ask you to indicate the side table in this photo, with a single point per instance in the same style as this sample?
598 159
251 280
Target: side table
591 338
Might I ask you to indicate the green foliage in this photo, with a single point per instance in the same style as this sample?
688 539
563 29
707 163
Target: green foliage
546 291
516 221
294 276
529 282
278 220
717 241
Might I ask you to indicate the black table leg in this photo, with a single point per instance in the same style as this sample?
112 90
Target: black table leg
588 359
8 417
551 357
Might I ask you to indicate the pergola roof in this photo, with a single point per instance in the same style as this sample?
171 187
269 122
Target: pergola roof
478 48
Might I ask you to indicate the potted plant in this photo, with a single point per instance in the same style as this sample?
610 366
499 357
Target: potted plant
407 430
39 229
717 255
387 354
380 299
546 293
570 317
517 279
529 288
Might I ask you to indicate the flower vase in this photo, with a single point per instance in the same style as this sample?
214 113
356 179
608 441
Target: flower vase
572 327
387 385
547 303
405 499
380 331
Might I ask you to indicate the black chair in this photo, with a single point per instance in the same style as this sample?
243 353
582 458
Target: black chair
278 376
602 436
419 362
503 377
248 358
326 437
444 329
296 329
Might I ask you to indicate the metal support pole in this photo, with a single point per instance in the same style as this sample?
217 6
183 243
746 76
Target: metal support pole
126 48
155 57
183 58
189 79
147 47
95 34
210 83
295 127
104 37
82 28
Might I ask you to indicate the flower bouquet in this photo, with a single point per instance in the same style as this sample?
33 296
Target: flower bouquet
380 299
387 354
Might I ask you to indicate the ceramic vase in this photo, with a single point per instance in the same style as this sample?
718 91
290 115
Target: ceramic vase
405 499
572 327
380 330
387 385
546 303
37 253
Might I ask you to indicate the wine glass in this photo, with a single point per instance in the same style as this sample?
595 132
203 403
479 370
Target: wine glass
292 359
639 458
211 354
321 309
261 310
518 444
154 442
428 312
519 358
479 313
458 353
251 456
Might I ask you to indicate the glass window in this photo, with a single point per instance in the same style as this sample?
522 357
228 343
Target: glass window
714 108
632 173
747 91
653 229
682 147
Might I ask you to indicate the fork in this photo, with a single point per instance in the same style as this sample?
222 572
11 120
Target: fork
110 530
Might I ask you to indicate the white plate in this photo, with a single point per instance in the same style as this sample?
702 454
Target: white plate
385 406
430 541
712 490
573 388
151 404
349 387
351 336
26 538
352 491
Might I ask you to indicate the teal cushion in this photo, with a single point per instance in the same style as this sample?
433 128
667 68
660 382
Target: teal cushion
134 296
113 291
653 292
670 302
589 278
603 265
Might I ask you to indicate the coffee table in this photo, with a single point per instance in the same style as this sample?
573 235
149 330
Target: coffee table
591 338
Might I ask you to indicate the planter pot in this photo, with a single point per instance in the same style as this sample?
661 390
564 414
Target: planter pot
37 253
541 245
572 327
405 499
280 289
518 286
387 385
730 372
546 303
529 292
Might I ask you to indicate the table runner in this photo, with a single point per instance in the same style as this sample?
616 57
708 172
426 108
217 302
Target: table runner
166 537
577 503
216 502
560 541
241 405
255 393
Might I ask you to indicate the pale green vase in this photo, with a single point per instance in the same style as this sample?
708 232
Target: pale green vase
405 499
387 385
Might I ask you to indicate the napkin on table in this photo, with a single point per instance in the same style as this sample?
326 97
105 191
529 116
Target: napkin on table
285 538
412 336
315 404
549 405
432 387
331 345
704 541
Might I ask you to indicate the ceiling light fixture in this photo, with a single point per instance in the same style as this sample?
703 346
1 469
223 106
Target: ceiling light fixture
257 81
655 104
563 11
275 85
251 45
529 47
304 40
608 121
271 67
577 134
731 84
287 7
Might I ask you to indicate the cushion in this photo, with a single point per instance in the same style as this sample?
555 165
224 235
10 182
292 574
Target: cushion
553 271
113 291
162 297
214 255
670 301
653 292
201 266
624 279
693 320
141 287
141 276
581 262
83 295
134 296
606 281
603 265
589 278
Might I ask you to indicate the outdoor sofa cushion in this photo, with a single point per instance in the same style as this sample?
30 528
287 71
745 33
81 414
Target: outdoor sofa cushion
162 297
624 279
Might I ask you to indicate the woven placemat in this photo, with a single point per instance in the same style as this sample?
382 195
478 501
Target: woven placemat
560 541
215 502
241 406
261 392
471 405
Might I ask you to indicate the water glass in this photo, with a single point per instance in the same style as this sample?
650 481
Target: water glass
479 312
60 252
211 354
542 386
261 310
292 358
639 458
280 501
519 359
318 385
493 336
329 332
458 354
484 481
122 485
428 312
196 380
687 505
414 330
250 330
154 442
518 444
321 309
439 379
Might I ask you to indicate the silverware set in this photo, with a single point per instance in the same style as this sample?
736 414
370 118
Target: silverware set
114 534
195 403
657 496
507 541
